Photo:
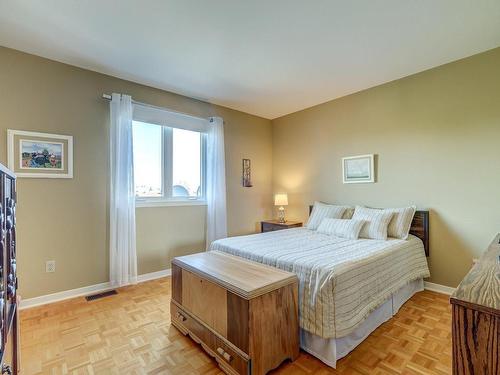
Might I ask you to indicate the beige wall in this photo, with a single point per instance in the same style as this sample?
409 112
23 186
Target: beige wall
66 220
437 137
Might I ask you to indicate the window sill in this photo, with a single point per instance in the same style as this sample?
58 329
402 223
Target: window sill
169 203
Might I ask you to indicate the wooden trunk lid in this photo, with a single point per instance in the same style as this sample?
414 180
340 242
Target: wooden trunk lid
243 277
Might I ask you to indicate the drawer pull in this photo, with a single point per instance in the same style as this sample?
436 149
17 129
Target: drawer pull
181 317
224 354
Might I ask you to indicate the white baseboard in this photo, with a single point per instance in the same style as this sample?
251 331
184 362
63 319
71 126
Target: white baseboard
154 275
84 291
448 290
60 296
98 288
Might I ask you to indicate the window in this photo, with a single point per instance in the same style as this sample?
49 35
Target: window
147 159
186 163
168 164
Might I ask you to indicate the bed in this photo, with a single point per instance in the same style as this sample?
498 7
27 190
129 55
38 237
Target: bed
347 288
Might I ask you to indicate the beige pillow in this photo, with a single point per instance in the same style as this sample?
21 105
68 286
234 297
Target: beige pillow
348 213
377 222
323 210
400 225
344 228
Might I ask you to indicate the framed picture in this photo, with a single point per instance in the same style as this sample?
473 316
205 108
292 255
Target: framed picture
40 155
358 169
246 173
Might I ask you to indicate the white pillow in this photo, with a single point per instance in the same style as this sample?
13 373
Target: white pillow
322 210
344 228
400 225
377 222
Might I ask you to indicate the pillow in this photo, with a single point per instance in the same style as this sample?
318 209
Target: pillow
399 227
348 213
377 222
322 210
344 228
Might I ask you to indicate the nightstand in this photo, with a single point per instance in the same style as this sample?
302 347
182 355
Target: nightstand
272 225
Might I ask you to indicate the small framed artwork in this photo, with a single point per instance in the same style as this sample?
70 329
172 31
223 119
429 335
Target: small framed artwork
246 174
358 169
40 155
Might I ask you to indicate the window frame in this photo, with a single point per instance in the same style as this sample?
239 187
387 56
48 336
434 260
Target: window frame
166 169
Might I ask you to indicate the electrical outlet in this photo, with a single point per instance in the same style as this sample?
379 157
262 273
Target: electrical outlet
50 266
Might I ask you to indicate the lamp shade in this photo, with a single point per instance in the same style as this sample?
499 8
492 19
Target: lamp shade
281 199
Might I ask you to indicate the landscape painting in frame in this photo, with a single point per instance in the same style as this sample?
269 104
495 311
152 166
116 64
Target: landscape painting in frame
358 169
40 155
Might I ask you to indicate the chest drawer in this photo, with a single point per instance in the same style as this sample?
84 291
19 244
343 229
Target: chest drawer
229 357
225 354
186 321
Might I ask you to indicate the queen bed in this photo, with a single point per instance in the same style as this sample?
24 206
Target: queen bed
347 287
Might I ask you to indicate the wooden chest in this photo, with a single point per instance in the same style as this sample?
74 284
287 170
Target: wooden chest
243 313
476 317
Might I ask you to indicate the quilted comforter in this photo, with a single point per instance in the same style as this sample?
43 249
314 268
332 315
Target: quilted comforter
340 281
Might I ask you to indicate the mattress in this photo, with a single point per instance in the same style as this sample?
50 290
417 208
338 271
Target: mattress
341 281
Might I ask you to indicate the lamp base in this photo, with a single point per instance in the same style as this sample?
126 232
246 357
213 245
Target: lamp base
281 215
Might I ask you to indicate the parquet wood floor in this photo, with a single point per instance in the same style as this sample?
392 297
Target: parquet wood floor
130 333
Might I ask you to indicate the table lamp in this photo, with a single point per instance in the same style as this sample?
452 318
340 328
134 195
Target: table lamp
281 200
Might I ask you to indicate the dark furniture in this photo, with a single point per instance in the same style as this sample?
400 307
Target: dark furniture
419 227
476 317
272 225
9 344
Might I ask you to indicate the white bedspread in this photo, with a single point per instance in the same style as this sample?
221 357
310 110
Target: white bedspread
340 281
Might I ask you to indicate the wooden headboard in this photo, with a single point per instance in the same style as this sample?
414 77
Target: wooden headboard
419 227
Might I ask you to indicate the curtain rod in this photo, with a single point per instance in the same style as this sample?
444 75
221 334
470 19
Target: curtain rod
108 97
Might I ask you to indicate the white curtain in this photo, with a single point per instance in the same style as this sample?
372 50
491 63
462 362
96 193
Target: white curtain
122 251
216 182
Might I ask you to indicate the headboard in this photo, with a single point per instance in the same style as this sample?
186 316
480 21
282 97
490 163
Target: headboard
419 227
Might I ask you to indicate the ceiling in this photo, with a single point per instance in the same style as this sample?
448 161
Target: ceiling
267 58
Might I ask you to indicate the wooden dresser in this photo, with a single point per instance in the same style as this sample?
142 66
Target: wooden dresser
243 313
8 279
476 317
